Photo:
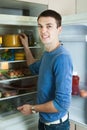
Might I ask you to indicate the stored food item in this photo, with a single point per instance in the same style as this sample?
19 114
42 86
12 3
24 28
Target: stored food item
9 93
30 36
0 94
11 40
0 40
17 73
31 39
7 55
19 56
4 66
14 73
83 93
2 77
0 74
75 84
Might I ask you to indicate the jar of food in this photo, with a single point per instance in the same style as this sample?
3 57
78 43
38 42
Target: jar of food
11 40
75 84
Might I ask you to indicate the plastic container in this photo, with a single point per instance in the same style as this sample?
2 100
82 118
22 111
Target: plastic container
0 40
11 40
75 84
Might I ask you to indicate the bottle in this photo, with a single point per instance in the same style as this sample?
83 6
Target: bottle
75 84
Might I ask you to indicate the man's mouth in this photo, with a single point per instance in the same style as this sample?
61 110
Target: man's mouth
44 37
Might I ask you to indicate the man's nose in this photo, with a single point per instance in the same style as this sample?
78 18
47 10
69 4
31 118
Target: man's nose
43 29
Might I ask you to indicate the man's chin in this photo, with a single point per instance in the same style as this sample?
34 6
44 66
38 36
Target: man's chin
45 41
46 44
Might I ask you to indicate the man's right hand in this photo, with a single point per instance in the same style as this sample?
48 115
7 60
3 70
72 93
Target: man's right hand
24 40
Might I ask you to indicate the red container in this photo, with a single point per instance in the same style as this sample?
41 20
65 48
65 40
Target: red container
75 85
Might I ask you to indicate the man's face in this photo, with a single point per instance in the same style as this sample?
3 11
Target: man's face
48 30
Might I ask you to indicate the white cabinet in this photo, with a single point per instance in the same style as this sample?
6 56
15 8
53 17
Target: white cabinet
68 7
64 7
81 6
81 127
77 126
72 125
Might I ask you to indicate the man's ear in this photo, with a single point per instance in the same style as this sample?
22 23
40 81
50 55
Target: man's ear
59 29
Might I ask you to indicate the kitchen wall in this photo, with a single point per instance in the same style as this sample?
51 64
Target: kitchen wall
73 38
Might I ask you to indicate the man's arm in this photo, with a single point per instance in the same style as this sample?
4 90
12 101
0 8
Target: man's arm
47 107
29 57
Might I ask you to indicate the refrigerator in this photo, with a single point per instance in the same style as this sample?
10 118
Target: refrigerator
74 39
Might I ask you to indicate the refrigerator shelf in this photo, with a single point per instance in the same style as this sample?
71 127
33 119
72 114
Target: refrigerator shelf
16 96
3 48
20 78
72 38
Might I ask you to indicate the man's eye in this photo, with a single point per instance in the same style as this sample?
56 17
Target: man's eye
49 26
39 26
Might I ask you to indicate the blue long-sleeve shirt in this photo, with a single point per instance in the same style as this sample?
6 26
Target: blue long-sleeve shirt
54 82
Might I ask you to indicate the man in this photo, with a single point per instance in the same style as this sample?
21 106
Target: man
55 75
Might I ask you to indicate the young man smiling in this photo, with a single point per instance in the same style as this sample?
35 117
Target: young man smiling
55 75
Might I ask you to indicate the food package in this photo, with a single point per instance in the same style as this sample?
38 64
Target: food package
19 56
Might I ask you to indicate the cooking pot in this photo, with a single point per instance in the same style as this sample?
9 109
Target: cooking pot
11 40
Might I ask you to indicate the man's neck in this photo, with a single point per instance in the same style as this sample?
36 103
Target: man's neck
50 48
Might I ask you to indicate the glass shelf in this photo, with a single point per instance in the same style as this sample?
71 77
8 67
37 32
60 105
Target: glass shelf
20 95
21 78
15 61
3 48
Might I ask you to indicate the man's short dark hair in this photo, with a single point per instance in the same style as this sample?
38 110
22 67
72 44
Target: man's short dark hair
53 14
